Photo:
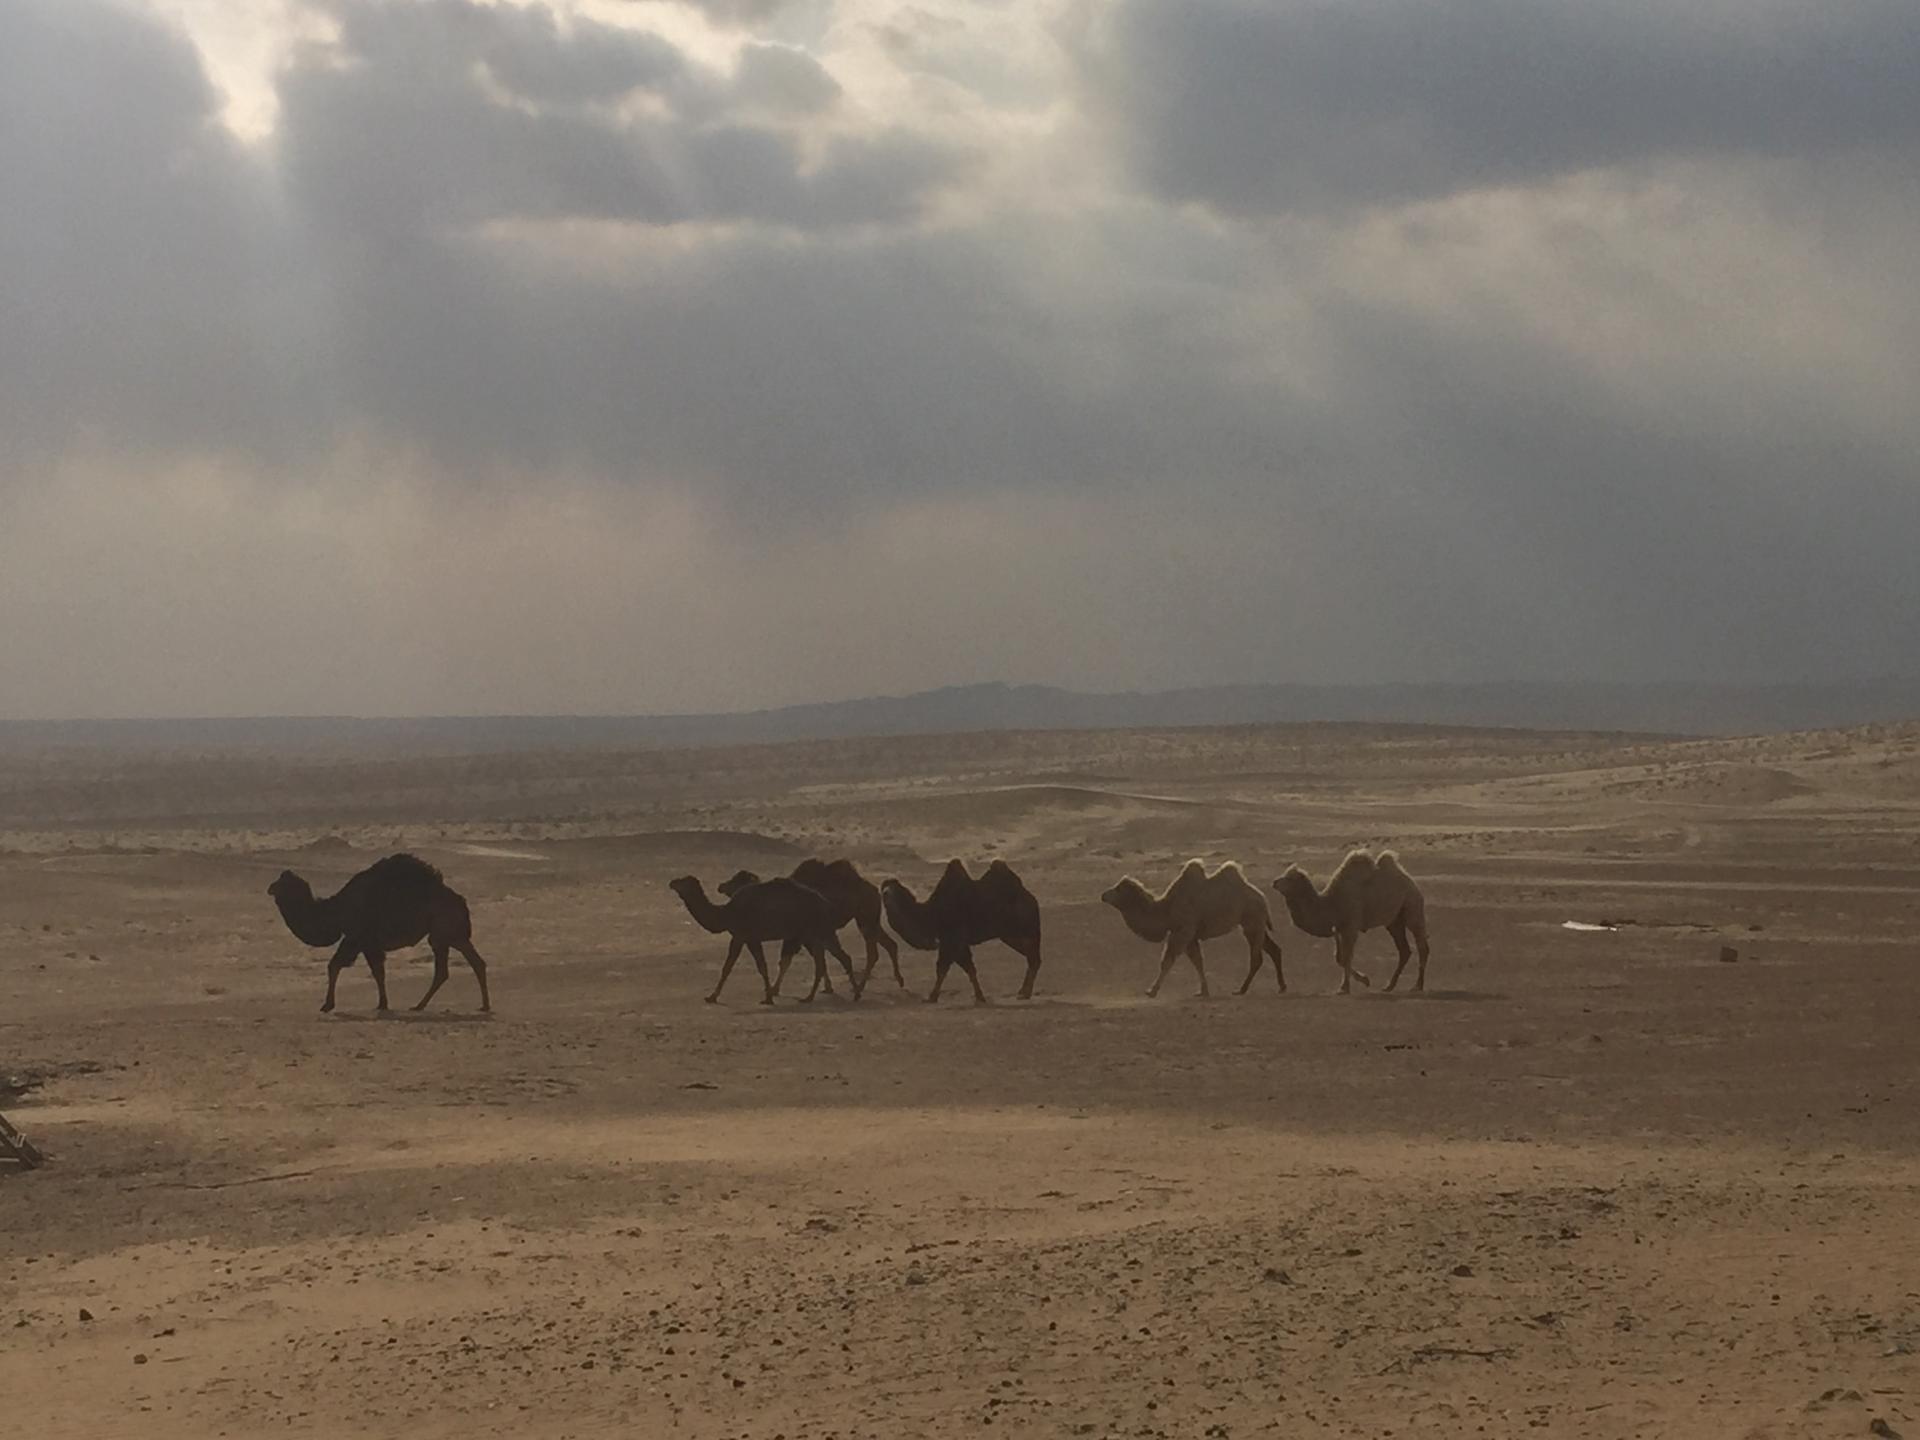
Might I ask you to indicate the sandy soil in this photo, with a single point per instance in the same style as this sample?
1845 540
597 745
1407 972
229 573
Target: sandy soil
1594 1182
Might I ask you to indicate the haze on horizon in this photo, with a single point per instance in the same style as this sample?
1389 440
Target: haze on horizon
604 356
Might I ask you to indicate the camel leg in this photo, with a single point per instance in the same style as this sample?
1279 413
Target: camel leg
760 964
1254 960
1397 928
839 952
940 968
1168 954
439 974
788 949
893 956
377 963
1199 966
826 975
733 954
1343 957
1032 958
1272 947
342 958
812 948
479 968
965 961
1419 927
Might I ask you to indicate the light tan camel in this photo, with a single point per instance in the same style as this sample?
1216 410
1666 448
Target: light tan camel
1366 892
1199 906
777 909
854 899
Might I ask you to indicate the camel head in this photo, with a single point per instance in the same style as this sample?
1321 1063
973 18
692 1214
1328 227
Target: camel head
1295 884
686 885
907 916
739 880
1124 894
290 886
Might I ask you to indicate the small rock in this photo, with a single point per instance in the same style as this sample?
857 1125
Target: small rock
1884 1430
1278 1277
1463 1271
1728 954
139 1359
915 1277
85 1314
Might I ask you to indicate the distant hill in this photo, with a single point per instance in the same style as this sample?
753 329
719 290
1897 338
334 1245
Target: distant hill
1673 709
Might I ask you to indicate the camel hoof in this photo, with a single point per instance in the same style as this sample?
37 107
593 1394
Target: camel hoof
327 1009
713 999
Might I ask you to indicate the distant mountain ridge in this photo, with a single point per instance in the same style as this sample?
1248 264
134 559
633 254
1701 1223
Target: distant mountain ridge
1672 709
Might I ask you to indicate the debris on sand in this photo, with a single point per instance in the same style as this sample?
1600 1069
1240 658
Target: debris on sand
1588 926
1728 955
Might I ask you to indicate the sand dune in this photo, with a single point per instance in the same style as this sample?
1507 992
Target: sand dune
1593 1183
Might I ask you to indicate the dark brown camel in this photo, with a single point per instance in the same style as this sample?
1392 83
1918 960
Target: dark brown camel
963 912
855 900
776 909
393 903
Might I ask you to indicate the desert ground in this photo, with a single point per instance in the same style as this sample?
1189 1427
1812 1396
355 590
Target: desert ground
1593 1182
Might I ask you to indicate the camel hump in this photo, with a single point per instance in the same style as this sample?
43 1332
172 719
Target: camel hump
1389 862
1232 869
406 869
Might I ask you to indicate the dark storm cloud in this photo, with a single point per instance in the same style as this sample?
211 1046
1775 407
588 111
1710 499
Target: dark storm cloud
738 12
406 135
1643 421
779 77
140 291
1299 105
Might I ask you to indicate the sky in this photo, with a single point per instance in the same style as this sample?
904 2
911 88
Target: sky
454 357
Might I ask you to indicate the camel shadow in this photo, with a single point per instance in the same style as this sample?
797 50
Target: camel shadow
411 1017
1451 997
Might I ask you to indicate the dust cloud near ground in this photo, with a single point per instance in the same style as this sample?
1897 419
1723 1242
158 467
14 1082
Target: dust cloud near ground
1594 1182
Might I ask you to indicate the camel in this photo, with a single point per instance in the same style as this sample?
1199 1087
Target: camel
393 903
1366 892
1199 906
777 909
962 912
854 898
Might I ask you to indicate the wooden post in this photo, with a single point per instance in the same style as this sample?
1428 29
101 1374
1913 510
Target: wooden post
16 1146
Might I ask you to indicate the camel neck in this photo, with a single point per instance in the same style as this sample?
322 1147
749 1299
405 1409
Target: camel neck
310 918
707 915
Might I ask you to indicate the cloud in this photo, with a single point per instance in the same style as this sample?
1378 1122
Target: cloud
398 130
143 289
1301 105
782 79
533 358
